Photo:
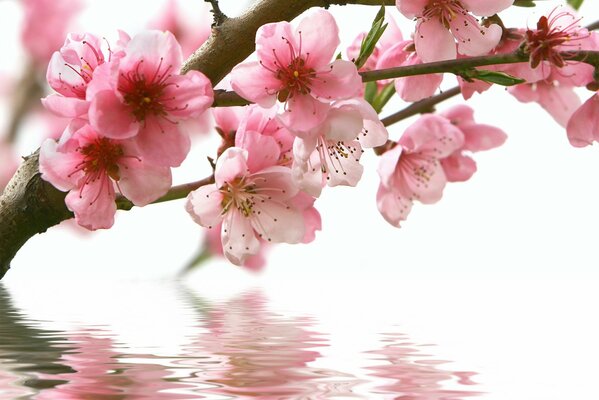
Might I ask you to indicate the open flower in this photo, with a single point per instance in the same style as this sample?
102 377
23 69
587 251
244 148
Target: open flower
330 154
143 94
459 166
412 170
71 70
252 200
295 67
92 167
442 23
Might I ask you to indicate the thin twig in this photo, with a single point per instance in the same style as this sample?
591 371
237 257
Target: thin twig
219 16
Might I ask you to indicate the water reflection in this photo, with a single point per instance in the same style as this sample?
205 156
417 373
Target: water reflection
412 374
237 348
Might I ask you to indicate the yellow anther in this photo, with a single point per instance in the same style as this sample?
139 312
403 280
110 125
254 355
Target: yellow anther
296 74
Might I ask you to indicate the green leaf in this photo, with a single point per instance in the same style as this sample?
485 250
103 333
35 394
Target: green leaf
524 3
371 39
575 3
383 97
500 78
370 92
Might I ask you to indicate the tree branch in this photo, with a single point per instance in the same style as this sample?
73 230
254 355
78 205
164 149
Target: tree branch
30 205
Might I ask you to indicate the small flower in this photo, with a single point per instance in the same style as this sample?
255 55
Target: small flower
143 94
412 170
555 33
330 154
459 166
252 205
443 22
295 67
92 167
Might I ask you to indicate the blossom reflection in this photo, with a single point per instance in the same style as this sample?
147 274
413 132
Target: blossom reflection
266 355
413 375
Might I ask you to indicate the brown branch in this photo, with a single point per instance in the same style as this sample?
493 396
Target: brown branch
29 205
26 95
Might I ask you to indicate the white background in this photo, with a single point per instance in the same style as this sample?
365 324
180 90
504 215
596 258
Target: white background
501 273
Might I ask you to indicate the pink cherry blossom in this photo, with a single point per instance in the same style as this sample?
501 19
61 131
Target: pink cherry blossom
556 33
143 94
8 163
442 23
330 154
45 25
583 126
71 69
252 204
295 67
412 170
459 166
92 167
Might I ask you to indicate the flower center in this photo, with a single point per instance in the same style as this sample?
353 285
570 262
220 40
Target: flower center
295 74
542 43
143 94
239 194
444 10
100 157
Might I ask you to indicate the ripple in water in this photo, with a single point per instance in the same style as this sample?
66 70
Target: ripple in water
238 350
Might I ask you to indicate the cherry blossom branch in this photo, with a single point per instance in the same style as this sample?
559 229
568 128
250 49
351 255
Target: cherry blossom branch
233 40
460 65
30 205
593 26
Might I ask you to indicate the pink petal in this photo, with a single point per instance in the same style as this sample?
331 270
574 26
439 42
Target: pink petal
164 144
343 123
319 37
230 165
303 113
433 41
422 178
263 151
433 135
473 39
238 238
339 81
275 43
57 167
388 164
142 182
560 102
69 107
205 206
458 167
278 223
583 127
155 48
276 182
374 132
191 95
94 205
411 8
486 8
109 116
227 118
481 137
255 83
392 206
308 174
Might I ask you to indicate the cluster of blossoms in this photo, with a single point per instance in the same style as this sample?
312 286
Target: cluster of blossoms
125 105
309 124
